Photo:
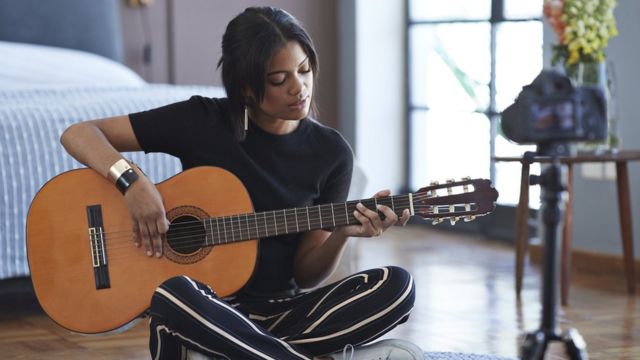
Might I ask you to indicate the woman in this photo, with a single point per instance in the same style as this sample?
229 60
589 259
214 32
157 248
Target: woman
262 133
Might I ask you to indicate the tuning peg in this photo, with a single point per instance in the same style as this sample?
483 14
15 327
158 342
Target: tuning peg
449 188
453 220
436 221
469 218
465 187
432 193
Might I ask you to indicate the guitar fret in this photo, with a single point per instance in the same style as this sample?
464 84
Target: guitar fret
333 216
246 220
295 212
351 205
320 216
326 214
207 232
255 220
312 219
218 228
266 229
204 224
224 226
346 213
233 233
284 215
246 228
240 237
275 222
238 217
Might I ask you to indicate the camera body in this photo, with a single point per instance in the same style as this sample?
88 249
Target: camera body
552 110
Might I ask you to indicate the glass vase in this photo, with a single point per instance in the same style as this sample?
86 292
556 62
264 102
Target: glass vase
598 74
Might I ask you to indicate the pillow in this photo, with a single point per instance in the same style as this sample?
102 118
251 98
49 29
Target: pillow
24 66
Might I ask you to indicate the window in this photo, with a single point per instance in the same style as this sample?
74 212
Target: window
468 60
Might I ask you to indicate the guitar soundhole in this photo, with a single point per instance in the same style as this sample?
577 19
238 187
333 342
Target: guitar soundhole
186 235
186 240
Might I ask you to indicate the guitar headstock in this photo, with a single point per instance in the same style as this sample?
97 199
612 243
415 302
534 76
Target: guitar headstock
455 200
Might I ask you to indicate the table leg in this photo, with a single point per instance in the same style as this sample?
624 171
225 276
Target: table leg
522 226
624 207
567 237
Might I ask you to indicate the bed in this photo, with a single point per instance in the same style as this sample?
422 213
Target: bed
44 89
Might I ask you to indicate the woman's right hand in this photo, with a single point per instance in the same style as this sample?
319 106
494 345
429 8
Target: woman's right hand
99 144
148 215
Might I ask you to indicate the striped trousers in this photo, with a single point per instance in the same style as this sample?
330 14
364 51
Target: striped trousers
186 314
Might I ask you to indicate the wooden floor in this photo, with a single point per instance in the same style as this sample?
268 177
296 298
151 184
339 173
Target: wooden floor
465 303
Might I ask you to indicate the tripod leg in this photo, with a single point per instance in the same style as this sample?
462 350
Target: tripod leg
576 347
534 346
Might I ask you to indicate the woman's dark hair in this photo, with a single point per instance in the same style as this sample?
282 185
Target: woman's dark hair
248 44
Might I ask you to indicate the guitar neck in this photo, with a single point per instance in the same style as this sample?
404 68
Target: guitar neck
241 227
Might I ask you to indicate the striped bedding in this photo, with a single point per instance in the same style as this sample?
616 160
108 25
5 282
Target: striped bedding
31 121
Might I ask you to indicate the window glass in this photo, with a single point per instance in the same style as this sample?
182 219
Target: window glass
450 58
450 10
450 66
448 144
508 176
522 9
518 59
518 62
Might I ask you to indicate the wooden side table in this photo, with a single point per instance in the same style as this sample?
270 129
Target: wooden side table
621 160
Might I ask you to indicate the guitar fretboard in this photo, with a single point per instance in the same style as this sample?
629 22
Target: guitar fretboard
233 228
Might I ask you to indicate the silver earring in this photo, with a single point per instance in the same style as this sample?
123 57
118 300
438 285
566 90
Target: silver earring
246 119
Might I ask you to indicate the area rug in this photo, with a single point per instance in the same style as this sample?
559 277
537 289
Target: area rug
430 355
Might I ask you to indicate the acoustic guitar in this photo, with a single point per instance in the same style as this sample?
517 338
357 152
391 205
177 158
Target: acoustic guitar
89 278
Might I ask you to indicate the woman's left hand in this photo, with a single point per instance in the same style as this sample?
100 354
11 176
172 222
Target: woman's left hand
370 222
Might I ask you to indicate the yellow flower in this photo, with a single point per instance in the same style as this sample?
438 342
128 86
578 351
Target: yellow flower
584 28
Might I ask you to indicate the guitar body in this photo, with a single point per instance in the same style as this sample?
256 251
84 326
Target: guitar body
62 256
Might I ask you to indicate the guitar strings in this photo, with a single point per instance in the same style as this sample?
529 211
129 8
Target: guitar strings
191 237
276 213
237 223
193 234
235 228
283 213
185 232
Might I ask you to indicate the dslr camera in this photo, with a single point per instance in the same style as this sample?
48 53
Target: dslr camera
551 110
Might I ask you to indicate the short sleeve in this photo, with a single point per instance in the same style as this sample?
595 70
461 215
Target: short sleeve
338 181
168 129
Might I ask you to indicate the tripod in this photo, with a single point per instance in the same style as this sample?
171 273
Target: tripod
535 343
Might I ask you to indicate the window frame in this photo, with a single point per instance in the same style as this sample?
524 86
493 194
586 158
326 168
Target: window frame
497 18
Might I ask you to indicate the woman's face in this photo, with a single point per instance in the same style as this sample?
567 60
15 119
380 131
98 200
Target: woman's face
289 85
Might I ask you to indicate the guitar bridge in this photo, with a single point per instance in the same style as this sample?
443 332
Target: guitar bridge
98 247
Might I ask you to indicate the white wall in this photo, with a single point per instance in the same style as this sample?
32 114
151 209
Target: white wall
596 224
380 96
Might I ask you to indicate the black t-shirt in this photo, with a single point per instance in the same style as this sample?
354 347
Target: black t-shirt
311 165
